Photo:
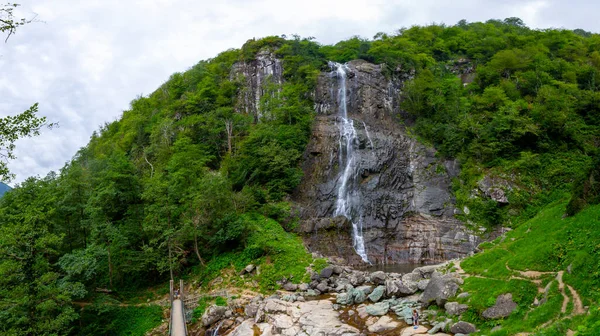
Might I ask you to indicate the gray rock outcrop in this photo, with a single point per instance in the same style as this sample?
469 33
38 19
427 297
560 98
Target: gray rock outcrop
212 315
503 308
406 204
462 327
439 289
455 308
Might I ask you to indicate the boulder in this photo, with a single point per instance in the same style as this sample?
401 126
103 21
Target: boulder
244 329
367 289
341 282
504 307
462 327
303 287
421 285
344 299
463 295
426 271
290 287
439 289
212 315
378 309
248 269
392 288
281 322
251 309
437 327
323 288
358 295
455 308
378 278
408 288
409 331
338 270
356 279
385 323
377 293
362 311
326 272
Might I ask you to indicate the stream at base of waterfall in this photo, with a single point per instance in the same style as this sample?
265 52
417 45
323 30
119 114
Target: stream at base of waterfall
348 199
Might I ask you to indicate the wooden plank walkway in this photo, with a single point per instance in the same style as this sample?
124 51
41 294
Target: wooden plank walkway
178 322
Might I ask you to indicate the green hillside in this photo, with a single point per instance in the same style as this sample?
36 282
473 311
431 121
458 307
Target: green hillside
182 185
548 243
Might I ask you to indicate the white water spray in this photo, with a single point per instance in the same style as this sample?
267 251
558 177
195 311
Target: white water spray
368 136
346 193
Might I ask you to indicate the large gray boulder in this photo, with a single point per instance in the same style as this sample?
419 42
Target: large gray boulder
462 327
504 307
392 288
322 287
212 315
439 289
244 329
251 309
356 279
367 289
455 308
290 287
326 272
378 278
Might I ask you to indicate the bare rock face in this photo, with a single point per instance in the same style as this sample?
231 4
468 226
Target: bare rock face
256 75
403 189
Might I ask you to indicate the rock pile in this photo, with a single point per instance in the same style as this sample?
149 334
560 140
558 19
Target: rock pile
343 301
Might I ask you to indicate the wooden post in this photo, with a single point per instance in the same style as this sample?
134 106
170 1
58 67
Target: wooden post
171 284
181 290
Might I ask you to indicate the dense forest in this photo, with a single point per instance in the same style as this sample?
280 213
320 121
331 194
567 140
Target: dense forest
183 185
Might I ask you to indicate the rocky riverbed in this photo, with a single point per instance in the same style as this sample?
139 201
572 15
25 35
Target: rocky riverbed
342 301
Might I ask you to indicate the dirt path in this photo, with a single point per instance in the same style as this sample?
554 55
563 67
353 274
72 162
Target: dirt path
534 277
561 287
577 305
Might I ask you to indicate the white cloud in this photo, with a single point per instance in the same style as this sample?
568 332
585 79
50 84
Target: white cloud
89 59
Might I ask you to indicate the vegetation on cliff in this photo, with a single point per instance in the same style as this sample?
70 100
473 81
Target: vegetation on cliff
184 185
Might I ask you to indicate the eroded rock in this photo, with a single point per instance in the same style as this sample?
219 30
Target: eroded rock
503 308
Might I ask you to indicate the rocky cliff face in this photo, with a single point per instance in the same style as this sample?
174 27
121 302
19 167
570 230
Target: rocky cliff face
402 188
255 75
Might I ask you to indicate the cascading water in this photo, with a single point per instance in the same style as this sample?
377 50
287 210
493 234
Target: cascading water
347 196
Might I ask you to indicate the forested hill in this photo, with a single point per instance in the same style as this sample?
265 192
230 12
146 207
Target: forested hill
3 188
188 181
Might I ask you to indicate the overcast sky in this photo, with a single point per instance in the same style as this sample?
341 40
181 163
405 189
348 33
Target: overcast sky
89 58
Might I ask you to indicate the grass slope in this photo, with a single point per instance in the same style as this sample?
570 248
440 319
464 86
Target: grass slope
548 244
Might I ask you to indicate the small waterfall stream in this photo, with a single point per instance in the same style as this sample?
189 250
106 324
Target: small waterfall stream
347 197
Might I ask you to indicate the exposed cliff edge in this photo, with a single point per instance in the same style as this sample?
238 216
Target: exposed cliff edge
404 189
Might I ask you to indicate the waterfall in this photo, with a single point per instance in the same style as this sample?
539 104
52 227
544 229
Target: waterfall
368 136
347 196
216 331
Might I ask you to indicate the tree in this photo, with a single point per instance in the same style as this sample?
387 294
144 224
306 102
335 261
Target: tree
33 298
8 22
25 124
